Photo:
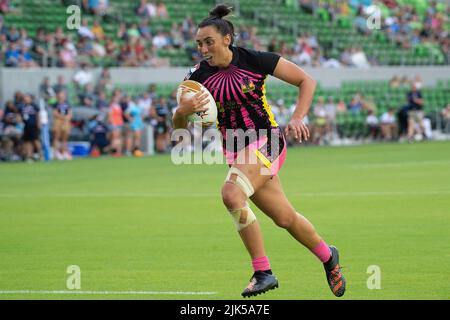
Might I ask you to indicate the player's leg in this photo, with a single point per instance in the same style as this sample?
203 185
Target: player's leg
243 179
270 198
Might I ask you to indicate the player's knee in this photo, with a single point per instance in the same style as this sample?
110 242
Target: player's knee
232 196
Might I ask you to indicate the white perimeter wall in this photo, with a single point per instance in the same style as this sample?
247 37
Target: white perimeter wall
27 80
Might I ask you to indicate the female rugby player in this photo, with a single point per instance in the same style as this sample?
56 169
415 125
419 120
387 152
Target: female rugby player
253 144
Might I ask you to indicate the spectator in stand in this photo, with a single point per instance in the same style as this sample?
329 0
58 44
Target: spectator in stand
3 28
144 30
88 97
133 32
160 40
360 22
31 132
345 58
373 125
84 31
140 52
418 82
59 36
341 107
116 123
13 35
104 81
282 114
394 83
359 59
41 46
188 28
97 30
161 10
152 92
68 55
96 7
25 40
388 125
12 56
60 85
25 60
368 104
122 32
83 76
110 48
12 131
5 6
146 9
176 36
273 45
355 105
46 91
62 116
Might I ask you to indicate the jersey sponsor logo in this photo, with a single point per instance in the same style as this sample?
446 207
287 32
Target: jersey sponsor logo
247 86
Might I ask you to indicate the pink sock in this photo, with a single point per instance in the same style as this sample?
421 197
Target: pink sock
261 264
322 251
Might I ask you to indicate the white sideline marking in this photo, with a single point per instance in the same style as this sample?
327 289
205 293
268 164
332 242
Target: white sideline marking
216 194
105 292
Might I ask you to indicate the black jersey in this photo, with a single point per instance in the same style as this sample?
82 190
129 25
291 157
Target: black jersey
240 89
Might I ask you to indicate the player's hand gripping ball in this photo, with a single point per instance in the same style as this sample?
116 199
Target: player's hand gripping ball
207 113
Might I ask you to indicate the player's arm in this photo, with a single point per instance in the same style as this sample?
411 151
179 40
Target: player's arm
189 106
293 74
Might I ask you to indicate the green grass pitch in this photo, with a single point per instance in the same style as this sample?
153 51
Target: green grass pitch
146 225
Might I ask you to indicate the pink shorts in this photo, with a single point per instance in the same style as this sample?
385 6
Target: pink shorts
270 150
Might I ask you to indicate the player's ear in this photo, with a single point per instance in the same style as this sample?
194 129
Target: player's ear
227 40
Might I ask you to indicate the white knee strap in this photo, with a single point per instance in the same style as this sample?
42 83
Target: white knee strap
241 181
243 217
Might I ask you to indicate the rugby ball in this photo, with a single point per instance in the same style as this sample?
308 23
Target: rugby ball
207 117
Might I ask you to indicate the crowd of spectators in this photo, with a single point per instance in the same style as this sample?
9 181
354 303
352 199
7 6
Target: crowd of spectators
405 25
404 122
139 44
132 45
38 128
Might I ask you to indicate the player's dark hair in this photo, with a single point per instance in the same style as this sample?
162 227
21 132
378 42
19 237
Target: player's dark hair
223 26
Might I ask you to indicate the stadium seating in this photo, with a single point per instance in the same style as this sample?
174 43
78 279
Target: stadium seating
283 19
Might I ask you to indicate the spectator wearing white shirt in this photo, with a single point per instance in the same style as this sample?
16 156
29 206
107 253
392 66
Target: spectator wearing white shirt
84 30
388 125
359 59
160 40
373 125
83 76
